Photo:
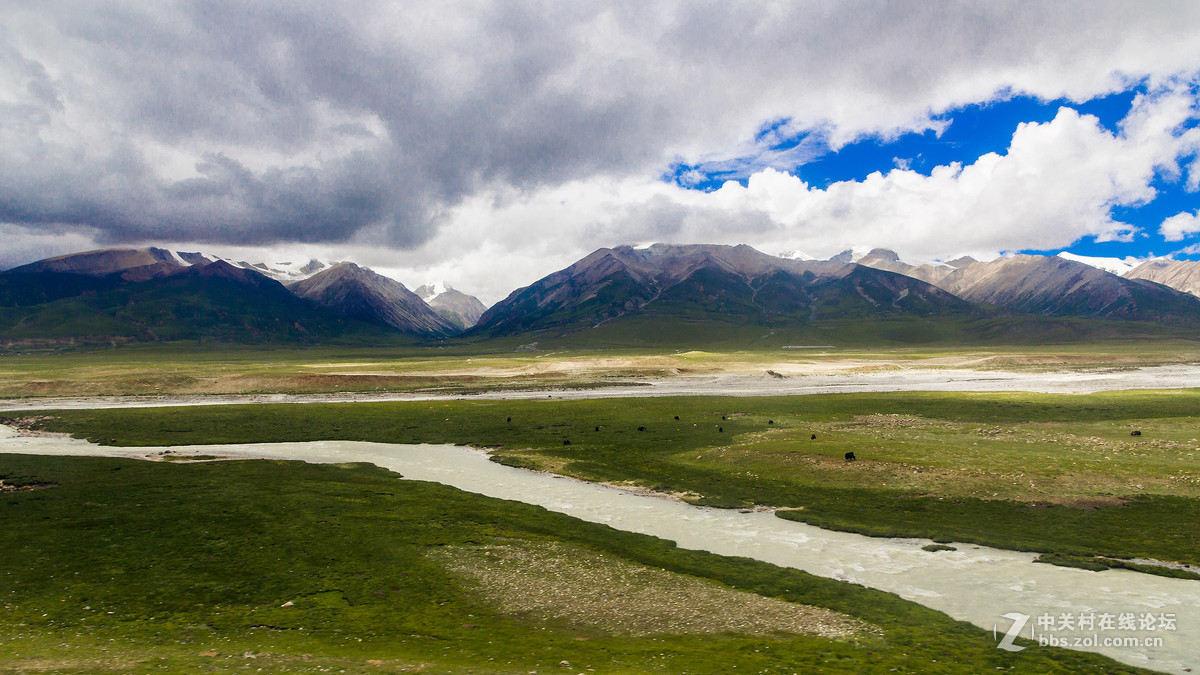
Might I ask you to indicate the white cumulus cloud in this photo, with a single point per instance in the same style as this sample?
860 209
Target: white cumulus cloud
1056 183
488 143
1180 226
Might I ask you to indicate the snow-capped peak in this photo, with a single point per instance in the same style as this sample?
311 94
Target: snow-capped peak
1117 266
432 289
795 255
177 259
283 272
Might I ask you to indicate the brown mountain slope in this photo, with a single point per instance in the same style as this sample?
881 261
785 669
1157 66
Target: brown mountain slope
106 261
1054 286
1182 275
882 259
694 284
360 293
458 308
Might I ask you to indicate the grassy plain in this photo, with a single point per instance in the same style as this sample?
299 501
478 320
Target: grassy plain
260 566
189 369
1052 473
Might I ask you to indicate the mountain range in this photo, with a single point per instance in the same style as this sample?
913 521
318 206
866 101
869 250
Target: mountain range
157 294
1051 286
621 295
626 294
706 283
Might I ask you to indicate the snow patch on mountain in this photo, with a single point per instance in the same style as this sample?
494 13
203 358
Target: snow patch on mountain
431 290
284 272
1117 266
795 255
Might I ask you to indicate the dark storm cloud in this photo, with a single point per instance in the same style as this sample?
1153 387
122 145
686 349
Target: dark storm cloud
257 122
223 81
300 203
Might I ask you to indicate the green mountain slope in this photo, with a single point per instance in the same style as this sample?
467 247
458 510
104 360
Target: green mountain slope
24 289
215 302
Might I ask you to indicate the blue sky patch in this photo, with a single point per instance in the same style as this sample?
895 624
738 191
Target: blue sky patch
969 133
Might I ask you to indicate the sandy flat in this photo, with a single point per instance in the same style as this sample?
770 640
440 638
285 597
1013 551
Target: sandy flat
718 384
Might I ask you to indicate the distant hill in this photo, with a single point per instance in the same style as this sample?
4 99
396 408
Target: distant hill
360 293
709 283
457 307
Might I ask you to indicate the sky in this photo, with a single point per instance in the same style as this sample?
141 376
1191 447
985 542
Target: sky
487 144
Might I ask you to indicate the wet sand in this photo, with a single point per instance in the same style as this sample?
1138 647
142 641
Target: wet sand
723 384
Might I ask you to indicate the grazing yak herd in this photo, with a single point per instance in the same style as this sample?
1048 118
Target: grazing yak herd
720 429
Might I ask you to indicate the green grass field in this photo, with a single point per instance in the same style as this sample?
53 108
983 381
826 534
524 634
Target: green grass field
1051 473
128 566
